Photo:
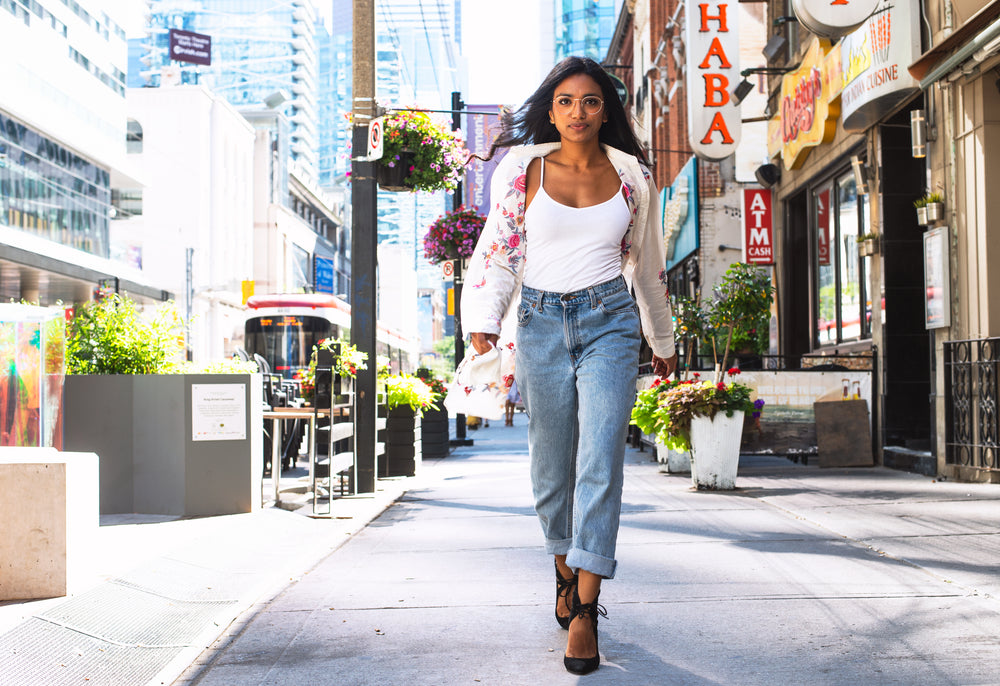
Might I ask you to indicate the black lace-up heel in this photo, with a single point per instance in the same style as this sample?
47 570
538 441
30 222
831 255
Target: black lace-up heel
565 588
585 665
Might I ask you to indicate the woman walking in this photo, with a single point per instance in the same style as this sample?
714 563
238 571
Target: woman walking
573 224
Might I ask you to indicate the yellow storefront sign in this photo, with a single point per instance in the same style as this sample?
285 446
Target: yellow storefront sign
806 117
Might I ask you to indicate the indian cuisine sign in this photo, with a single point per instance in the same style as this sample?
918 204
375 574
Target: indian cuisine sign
874 60
713 70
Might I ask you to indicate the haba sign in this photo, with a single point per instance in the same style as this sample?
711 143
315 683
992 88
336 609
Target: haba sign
833 18
758 226
874 61
806 116
712 45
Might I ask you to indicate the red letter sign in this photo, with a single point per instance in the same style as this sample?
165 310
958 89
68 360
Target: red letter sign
758 232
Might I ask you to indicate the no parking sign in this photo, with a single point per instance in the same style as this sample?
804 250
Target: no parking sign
448 270
375 139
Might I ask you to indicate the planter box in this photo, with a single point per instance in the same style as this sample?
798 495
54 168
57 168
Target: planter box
715 451
922 215
868 248
402 443
672 461
434 436
142 429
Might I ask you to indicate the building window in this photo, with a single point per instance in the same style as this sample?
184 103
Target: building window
844 307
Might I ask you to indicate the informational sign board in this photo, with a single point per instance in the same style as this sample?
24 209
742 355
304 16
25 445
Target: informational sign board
323 274
833 18
448 270
218 412
187 46
937 299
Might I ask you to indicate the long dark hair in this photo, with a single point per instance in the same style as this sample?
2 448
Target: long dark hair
530 122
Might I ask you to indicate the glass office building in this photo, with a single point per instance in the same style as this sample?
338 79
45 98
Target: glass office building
585 27
258 47
48 190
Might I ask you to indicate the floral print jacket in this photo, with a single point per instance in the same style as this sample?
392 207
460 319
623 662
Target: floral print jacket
493 281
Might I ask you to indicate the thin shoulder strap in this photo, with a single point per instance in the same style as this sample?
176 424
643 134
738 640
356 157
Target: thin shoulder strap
541 173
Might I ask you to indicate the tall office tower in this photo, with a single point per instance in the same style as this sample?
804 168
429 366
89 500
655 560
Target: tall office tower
259 47
585 27
62 150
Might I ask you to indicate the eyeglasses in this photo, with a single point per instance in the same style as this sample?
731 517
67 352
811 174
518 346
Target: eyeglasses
564 104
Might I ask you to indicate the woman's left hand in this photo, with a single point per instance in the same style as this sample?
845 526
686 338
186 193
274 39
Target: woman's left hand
664 367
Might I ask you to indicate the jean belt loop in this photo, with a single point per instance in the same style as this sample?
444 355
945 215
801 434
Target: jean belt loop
539 299
594 298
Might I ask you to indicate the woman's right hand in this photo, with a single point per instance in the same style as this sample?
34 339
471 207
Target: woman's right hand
484 342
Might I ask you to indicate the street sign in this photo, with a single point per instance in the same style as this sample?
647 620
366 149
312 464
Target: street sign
447 270
375 139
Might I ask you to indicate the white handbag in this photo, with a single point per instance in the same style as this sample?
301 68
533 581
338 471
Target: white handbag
481 383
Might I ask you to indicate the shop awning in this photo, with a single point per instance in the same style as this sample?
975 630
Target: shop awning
949 54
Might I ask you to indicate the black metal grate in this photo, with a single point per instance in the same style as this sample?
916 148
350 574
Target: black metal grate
972 420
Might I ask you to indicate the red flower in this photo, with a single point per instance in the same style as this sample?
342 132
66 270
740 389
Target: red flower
721 386
733 371
696 375
656 382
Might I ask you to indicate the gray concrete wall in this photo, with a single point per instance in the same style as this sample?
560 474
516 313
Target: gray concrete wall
141 428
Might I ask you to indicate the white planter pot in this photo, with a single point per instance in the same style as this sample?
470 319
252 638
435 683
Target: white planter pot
715 451
672 461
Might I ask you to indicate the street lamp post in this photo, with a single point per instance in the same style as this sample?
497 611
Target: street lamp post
456 123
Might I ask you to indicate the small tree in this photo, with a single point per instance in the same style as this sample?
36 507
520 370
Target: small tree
691 326
742 308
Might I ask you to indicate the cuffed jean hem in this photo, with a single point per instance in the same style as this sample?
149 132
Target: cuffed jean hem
559 546
578 559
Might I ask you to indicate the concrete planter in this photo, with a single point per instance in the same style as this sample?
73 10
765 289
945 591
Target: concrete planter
715 451
141 428
672 461
402 443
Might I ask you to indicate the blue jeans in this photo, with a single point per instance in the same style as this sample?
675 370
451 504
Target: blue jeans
576 365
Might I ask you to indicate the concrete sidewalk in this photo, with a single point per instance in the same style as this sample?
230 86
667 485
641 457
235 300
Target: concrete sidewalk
802 576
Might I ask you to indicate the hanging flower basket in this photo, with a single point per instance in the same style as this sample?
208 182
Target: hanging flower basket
420 154
453 235
395 177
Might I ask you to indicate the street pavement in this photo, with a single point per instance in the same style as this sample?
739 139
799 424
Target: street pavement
801 576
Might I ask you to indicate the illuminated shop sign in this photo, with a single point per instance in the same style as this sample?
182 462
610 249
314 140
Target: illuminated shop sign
712 43
806 117
833 18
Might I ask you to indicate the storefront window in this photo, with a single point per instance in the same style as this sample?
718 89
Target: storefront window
844 309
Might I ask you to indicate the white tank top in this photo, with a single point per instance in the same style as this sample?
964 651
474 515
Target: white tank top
571 248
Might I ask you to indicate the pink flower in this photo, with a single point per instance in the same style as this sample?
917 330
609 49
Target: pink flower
514 241
521 183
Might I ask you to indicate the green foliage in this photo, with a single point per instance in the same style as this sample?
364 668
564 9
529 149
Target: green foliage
439 156
666 409
112 336
439 388
227 366
345 364
741 309
928 199
403 389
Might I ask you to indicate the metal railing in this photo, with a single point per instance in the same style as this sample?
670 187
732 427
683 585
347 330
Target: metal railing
972 422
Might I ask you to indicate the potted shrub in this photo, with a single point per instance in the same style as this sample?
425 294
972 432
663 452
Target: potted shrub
453 235
406 399
935 208
434 436
419 154
346 361
173 437
868 245
706 417
930 209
